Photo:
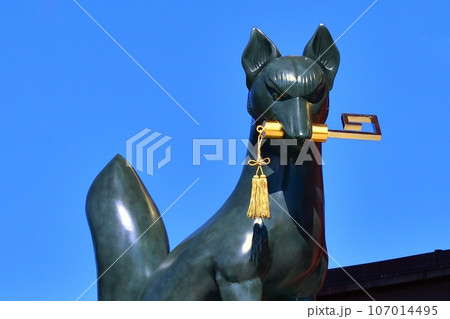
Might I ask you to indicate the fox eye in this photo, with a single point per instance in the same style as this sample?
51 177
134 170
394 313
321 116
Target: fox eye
317 95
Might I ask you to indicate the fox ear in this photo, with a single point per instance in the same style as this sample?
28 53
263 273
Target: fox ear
258 52
321 47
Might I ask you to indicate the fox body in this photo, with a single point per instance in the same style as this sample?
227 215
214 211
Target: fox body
213 263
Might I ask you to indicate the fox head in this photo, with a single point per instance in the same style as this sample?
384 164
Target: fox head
293 90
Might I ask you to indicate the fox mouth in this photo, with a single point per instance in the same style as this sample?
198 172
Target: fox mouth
295 118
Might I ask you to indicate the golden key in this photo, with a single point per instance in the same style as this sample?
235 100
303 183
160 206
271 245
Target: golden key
351 123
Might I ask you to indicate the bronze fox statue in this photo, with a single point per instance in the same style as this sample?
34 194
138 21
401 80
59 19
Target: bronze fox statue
130 241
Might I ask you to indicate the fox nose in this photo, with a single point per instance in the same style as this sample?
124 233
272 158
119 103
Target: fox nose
294 115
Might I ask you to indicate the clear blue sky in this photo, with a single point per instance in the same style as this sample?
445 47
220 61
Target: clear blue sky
71 97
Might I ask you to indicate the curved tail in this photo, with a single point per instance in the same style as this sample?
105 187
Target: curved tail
129 237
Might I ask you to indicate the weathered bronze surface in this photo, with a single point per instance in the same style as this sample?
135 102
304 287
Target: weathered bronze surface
213 263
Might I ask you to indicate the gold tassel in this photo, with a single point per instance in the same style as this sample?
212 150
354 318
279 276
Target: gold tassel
259 198
252 208
264 197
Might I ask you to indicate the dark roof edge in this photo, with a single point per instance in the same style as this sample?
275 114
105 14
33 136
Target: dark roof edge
388 272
